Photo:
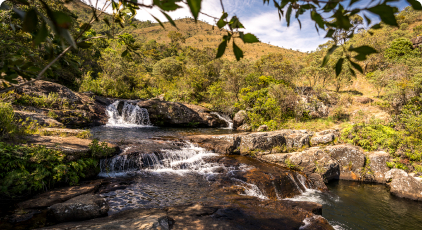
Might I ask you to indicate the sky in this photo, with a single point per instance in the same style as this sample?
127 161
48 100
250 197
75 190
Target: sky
259 19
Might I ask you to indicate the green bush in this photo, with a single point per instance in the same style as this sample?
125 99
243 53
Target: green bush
28 169
8 127
51 101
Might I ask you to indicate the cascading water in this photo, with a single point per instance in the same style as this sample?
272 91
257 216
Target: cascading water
187 159
226 119
124 114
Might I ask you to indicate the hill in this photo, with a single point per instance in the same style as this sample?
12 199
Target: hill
199 35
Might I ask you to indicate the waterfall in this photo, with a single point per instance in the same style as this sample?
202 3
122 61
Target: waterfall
226 119
124 114
187 159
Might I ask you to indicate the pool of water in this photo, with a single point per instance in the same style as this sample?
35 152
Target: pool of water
116 134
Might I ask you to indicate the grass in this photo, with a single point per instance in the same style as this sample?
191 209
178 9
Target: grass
311 125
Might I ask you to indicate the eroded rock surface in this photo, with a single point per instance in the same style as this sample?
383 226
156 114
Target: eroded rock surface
378 166
239 119
404 185
165 113
82 207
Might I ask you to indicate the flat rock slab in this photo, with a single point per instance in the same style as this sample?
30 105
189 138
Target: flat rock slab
83 207
243 214
55 196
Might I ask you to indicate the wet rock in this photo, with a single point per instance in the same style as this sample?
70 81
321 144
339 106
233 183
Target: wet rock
82 207
314 223
378 165
223 144
244 127
164 113
55 196
262 128
363 100
239 118
405 186
350 158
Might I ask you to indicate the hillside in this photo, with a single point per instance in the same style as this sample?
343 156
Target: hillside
198 35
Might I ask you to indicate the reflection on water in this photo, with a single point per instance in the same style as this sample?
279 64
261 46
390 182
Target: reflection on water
355 205
116 134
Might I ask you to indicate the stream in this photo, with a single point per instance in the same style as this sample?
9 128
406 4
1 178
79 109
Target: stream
187 174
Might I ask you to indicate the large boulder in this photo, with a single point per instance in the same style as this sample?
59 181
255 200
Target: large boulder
324 137
239 118
316 160
44 88
406 187
378 166
350 158
165 113
82 207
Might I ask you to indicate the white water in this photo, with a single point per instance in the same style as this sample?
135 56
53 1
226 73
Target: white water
187 159
226 119
132 116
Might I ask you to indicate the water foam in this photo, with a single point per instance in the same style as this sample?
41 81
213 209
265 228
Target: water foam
226 119
131 116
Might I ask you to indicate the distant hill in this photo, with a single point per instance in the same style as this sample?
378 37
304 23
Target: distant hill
198 35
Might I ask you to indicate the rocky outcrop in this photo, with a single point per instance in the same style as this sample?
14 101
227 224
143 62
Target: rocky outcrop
165 113
82 207
247 143
262 128
324 137
239 119
245 128
363 100
378 166
45 88
350 158
416 41
60 195
403 185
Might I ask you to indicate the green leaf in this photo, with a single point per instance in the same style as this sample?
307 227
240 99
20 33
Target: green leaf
363 51
84 45
19 12
41 35
169 18
356 66
158 20
66 35
376 26
249 38
30 21
415 4
24 2
107 21
339 66
221 23
125 53
63 20
167 5
221 49
386 13
237 51
235 23
327 56
330 33
195 8
318 19
289 14
368 20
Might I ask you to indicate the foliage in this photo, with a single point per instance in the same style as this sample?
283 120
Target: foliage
100 150
51 101
28 169
8 128
400 49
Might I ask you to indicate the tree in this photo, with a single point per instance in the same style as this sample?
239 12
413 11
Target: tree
41 20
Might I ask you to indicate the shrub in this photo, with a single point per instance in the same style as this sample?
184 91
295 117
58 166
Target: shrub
28 169
8 127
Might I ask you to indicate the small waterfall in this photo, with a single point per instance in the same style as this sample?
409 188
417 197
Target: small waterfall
187 159
250 189
224 118
124 114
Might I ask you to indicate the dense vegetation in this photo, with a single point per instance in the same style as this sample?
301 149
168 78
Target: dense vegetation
279 89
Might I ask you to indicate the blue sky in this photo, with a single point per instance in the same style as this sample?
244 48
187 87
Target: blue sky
261 20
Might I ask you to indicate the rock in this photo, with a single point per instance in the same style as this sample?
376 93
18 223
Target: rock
315 222
164 113
40 118
296 139
74 148
82 207
378 165
316 160
417 41
350 158
262 128
363 100
55 196
405 187
244 127
277 157
223 144
44 88
393 174
322 139
239 118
